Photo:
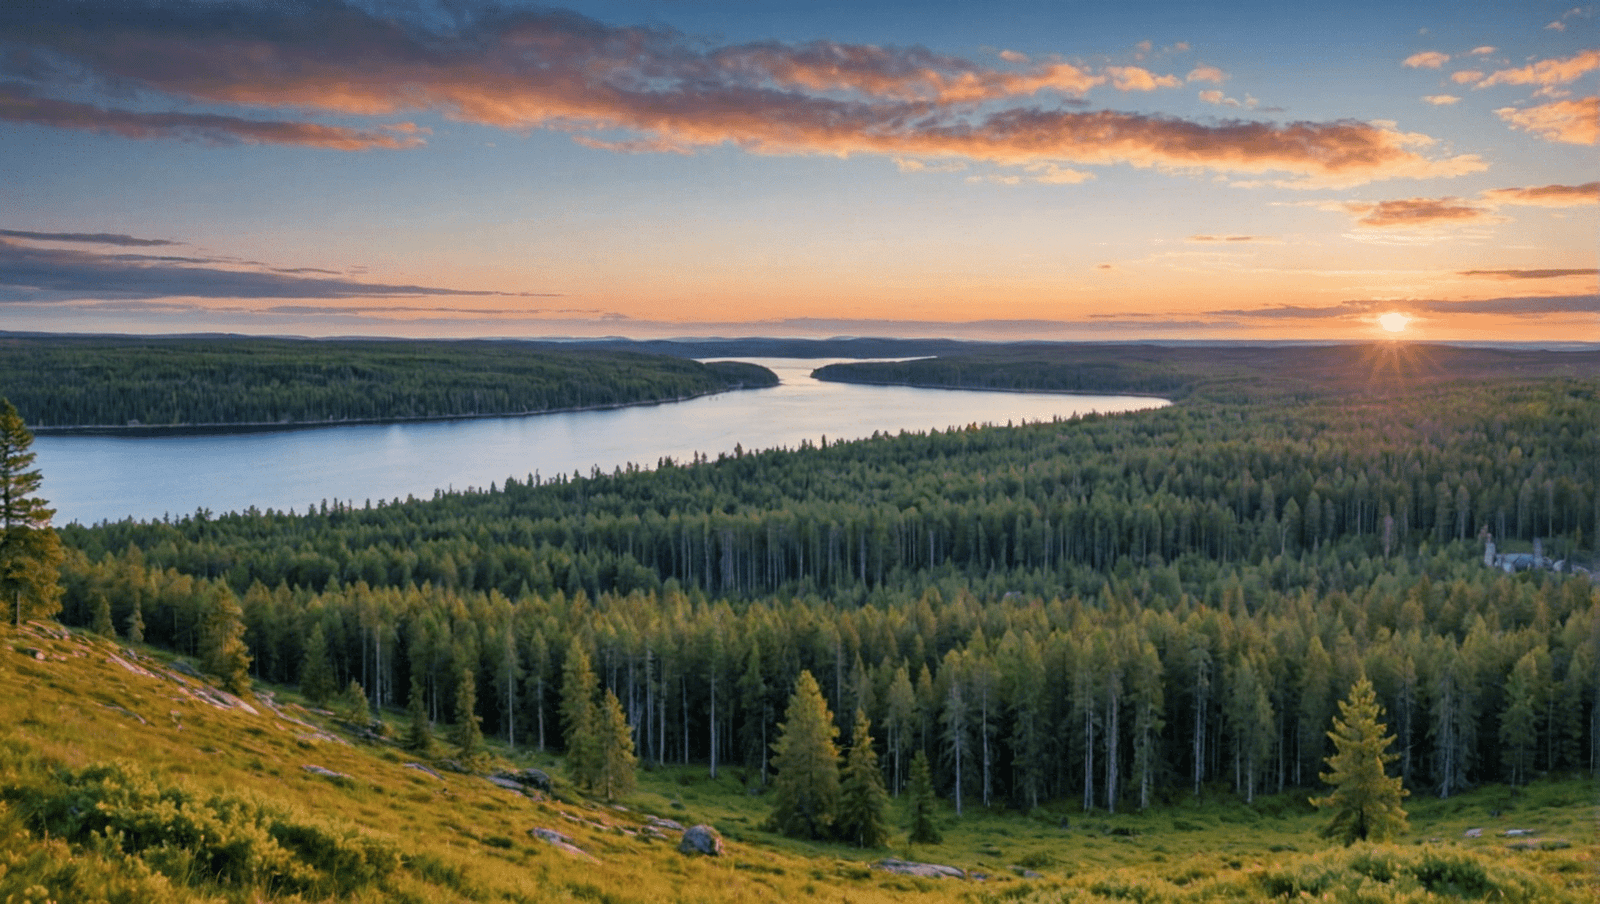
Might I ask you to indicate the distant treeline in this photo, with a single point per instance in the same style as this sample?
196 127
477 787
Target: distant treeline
1224 372
169 382
1114 609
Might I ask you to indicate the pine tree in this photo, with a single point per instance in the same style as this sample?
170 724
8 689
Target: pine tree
30 551
805 789
578 716
101 623
922 802
1365 800
135 624
419 730
863 802
467 736
222 648
352 704
316 671
614 773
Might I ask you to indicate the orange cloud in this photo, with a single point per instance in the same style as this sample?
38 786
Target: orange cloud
1441 100
1134 78
1547 72
520 69
1485 50
1427 59
19 106
1207 239
1418 213
1466 76
1566 121
1547 195
1205 73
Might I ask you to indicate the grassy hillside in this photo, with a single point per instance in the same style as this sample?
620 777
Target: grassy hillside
124 779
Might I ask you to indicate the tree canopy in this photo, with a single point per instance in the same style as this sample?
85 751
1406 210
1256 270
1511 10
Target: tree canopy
805 762
30 551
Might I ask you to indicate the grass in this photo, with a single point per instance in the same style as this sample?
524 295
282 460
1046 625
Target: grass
196 803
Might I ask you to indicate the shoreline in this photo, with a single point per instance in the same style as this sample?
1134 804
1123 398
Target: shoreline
1067 392
214 429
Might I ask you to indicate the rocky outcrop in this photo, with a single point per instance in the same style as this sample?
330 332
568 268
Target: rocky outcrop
701 839
925 870
325 773
563 843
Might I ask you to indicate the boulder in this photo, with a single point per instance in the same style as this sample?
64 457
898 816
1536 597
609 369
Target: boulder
701 839
925 870
670 824
530 778
325 773
563 843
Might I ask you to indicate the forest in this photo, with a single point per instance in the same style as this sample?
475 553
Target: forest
1115 610
160 383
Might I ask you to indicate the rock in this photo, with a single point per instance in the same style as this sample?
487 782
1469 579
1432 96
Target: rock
126 712
530 778
701 839
1517 833
184 668
34 653
1474 833
454 766
562 843
660 823
925 870
506 783
421 768
325 773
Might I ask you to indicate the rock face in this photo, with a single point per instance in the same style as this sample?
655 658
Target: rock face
925 870
701 839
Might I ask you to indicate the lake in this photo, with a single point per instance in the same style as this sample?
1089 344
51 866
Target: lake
89 479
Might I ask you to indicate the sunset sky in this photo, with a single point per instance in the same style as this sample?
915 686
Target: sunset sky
997 170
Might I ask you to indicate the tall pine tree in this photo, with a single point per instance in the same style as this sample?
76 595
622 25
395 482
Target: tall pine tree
30 551
1365 800
805 788
615 760
863 802
921 802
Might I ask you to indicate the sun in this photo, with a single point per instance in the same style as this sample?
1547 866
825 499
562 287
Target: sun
1394 321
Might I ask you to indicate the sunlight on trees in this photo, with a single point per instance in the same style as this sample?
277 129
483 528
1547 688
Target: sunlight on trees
1365 800
805 786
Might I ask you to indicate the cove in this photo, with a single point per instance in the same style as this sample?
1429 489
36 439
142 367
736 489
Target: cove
94 478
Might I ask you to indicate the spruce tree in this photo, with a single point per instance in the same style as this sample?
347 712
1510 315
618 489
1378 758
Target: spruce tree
352 704
805 788
419 730
467 736
101 623
579 688
222 647
30 551
614 764
1365 800
316 671
134 628
863 802
922 802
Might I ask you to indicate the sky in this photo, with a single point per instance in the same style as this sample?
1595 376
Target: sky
1016 169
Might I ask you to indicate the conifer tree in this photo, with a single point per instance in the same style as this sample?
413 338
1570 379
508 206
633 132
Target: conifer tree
614 765
419 731
805 788
316 671
578 716
863 802
134 627
1365 800
467 736
101 623
352 704
922 802
222 648
30 551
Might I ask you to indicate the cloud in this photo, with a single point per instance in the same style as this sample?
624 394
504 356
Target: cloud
637 89
1547 72
1206 74
1466 76
1427 59
1440 100
1520 306
21 106
1135 78
1418 213
1557 25
1213 96
1528 274
1547 195
1566 121
1012 56
1485 50
1230 238
93 238
32 274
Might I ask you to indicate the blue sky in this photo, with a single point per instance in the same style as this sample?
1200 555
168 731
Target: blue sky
997 170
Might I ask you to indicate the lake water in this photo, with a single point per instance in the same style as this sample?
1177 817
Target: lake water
89 479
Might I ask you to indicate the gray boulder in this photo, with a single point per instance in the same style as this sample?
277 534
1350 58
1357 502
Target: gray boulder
925 870
701 839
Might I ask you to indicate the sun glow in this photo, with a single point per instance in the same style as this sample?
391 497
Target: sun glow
1394 321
